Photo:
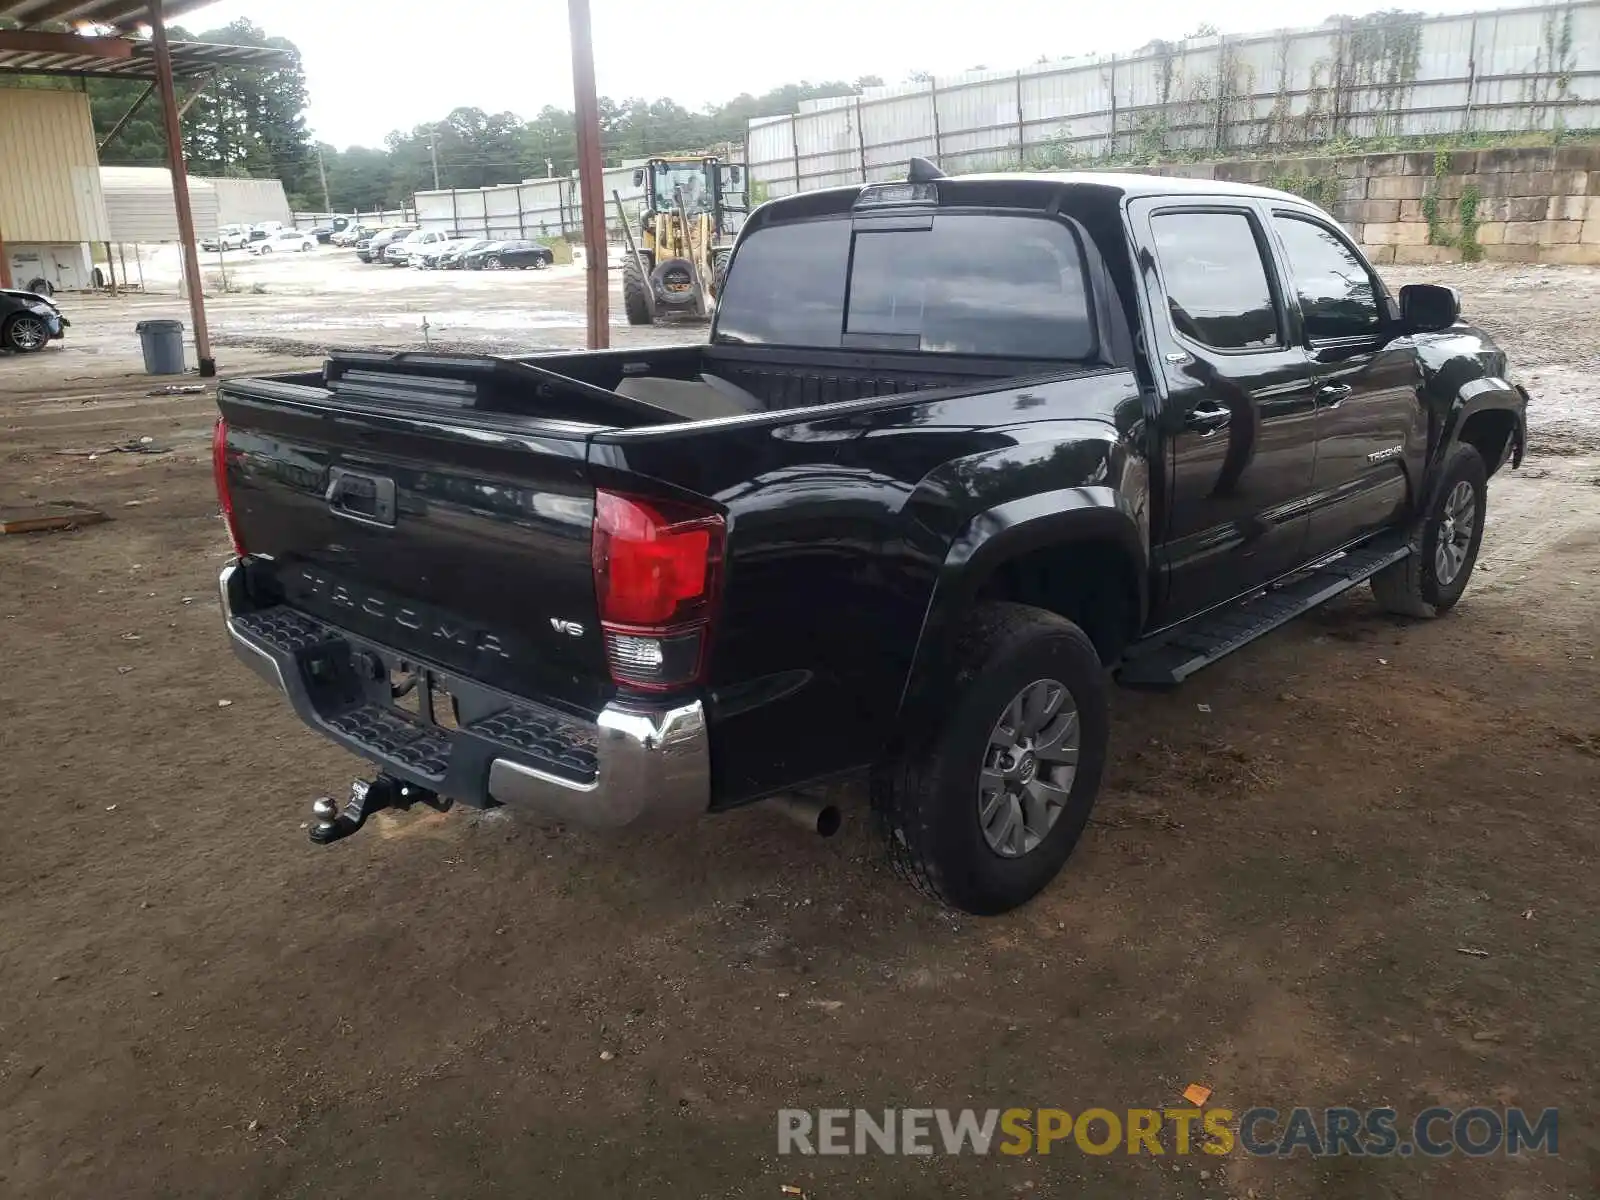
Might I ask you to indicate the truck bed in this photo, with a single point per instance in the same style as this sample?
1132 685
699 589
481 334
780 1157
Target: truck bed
624 389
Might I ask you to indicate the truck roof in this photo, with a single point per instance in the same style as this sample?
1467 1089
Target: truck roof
1028 189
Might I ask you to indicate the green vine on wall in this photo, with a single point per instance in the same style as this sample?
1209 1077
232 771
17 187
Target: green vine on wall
1466 238
1321 190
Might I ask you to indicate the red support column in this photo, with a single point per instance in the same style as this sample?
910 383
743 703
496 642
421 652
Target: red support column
591 175
180 187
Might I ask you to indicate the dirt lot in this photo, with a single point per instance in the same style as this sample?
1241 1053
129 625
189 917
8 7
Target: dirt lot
1272 899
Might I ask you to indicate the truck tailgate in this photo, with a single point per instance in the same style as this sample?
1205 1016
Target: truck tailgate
457 536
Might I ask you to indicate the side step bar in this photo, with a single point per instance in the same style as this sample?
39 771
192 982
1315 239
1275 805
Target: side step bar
1166 659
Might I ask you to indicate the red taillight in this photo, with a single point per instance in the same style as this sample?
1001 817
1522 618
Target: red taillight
219 471
657 566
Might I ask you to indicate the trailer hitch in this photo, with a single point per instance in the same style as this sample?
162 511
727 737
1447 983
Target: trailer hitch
368 796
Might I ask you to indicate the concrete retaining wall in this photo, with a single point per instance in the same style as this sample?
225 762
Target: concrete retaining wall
1510 205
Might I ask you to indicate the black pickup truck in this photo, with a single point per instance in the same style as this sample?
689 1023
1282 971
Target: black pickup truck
958 453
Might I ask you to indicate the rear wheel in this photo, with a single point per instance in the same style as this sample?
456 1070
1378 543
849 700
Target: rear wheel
983 807
1444 542
635 292
25 333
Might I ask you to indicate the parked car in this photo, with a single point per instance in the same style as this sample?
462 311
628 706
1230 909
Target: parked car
229 237
29 321
400 253
956 450
526 256
450 259
519 254
473 260
285 240
434 256
353 233
323 234
373 250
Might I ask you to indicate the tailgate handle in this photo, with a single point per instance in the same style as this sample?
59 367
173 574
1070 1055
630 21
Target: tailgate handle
368 499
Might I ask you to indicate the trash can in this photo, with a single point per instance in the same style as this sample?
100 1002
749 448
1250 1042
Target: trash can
163 347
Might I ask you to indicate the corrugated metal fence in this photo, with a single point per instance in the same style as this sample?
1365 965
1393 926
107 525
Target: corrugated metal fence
535 208
1391 74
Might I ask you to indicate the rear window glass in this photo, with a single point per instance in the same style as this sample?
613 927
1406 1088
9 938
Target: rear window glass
786 286
1008 287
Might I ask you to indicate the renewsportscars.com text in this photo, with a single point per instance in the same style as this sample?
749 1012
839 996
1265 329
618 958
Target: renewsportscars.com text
1261 1132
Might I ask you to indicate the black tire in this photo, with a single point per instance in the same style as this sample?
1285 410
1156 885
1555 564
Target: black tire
541 262
492 263
1414 587
635 293
41 287
672 281
24 333
927 800
719 278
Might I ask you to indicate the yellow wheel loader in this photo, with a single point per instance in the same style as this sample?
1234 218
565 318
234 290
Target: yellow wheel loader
686 228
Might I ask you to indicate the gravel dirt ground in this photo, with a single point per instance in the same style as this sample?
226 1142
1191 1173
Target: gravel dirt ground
1288 858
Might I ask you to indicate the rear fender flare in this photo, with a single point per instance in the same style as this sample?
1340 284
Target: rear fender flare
1017 527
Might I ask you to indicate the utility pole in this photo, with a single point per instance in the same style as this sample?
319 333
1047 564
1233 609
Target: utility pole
180 187
433 152
591 180
322 171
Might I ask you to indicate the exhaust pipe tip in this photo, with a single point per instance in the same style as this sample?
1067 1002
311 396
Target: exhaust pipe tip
820 817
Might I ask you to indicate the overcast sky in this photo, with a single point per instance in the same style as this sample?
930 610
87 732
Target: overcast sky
371 74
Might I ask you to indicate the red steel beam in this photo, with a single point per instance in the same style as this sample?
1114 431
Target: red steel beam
591 176
180 187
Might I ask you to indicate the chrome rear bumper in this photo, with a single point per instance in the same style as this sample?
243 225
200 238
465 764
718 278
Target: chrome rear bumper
633 765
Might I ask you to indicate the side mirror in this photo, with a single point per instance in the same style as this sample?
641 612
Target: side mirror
1429 308
638 178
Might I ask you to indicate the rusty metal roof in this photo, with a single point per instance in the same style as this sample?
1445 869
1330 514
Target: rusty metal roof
188 59
126 15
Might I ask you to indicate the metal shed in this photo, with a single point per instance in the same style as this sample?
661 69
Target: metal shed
139 205
35 51
50 197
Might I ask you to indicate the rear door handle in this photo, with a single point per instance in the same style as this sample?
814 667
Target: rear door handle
1331 395
1207 418
365 499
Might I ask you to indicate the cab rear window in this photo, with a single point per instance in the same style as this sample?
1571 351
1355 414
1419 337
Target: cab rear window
978 284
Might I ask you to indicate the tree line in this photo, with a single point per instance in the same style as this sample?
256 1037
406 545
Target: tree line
251 123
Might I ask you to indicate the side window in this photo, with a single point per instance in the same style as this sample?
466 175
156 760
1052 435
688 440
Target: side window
1338 296
1216 281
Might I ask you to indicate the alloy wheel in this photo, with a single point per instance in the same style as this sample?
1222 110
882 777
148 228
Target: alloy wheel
1456 527
1028 768
28 332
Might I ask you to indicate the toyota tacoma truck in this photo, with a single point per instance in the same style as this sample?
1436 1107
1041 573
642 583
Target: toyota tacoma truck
958 454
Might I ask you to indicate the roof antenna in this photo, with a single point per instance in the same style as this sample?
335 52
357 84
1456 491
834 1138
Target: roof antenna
923 170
